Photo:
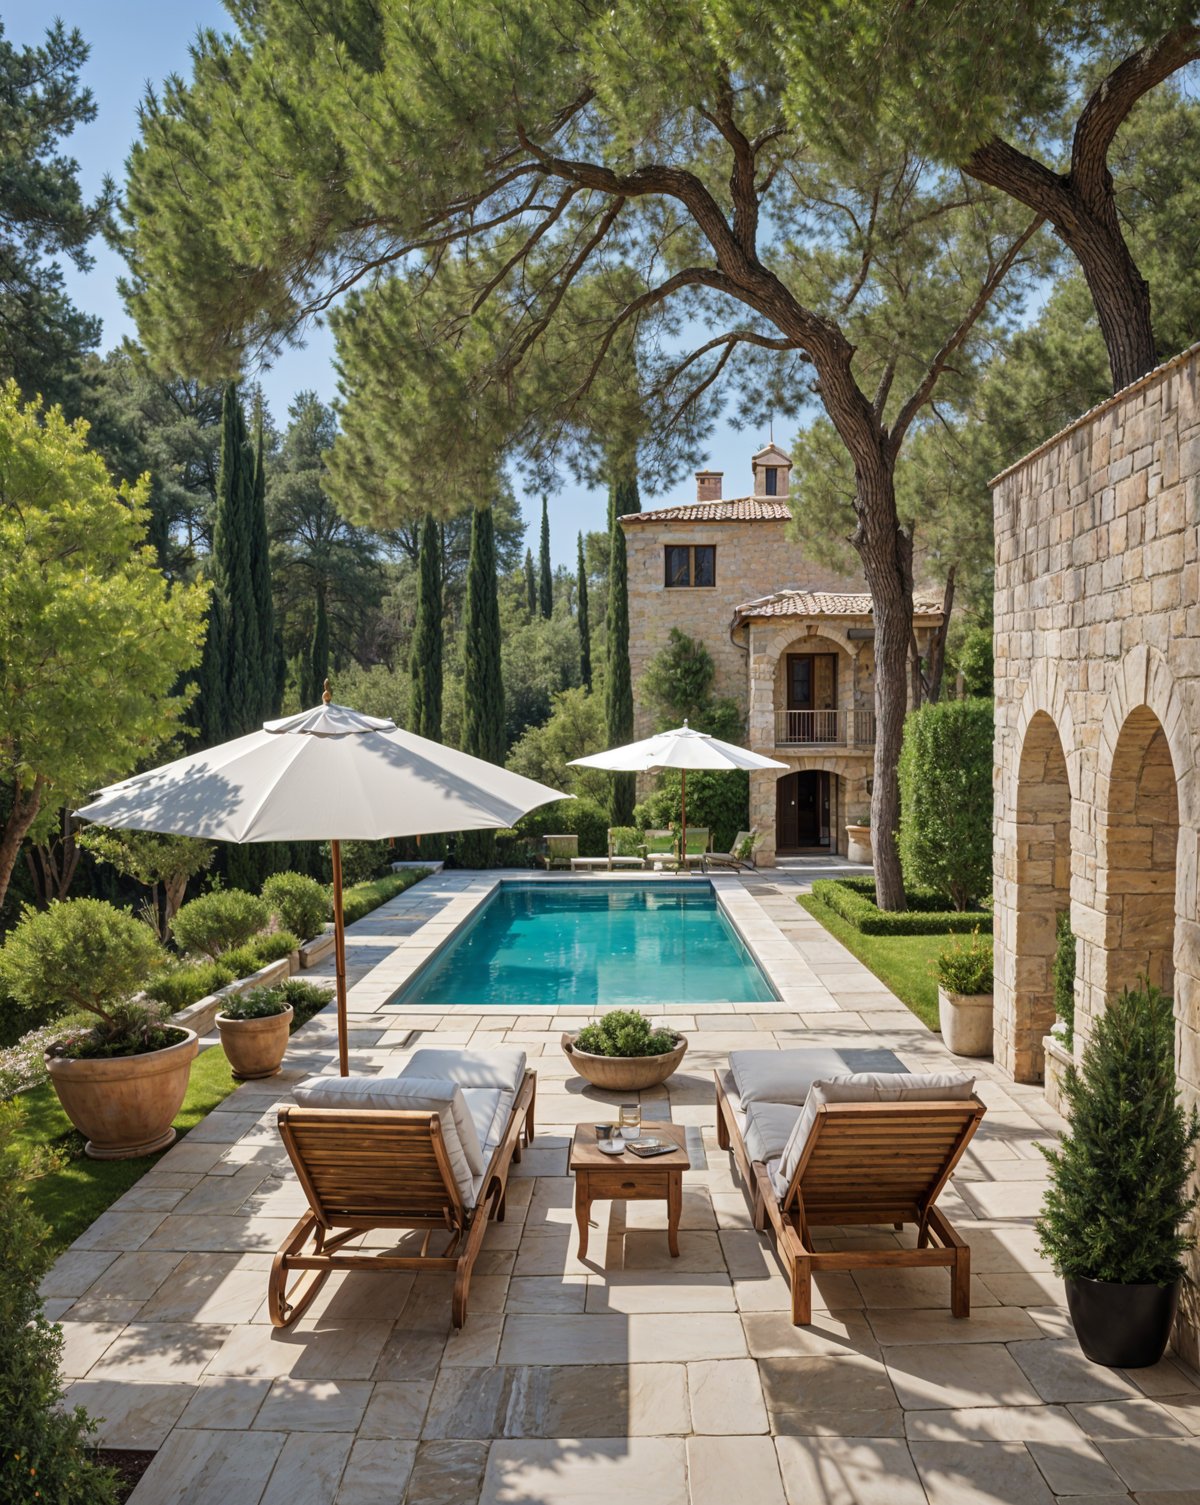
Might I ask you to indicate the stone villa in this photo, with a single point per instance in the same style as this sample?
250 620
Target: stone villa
791 641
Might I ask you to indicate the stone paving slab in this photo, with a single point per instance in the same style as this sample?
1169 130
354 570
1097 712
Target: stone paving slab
629 1377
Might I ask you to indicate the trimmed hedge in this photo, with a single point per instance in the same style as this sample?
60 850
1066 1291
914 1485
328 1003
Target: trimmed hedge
364 897
854 900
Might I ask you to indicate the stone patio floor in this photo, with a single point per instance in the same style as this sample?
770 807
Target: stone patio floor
630 1377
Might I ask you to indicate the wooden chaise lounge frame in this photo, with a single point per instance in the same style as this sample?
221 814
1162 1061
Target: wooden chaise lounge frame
369 1168
863 1163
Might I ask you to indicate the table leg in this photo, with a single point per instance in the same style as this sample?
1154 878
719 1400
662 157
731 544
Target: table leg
674 1210
583 1209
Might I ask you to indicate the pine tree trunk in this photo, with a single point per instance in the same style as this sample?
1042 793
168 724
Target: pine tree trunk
426 661
483 686
585 630
1122 299
884 552
545 577
22 813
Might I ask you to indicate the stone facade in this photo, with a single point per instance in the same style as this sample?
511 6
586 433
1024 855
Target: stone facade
1097 804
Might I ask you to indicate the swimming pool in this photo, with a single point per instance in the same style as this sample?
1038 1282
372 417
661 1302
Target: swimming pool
594 944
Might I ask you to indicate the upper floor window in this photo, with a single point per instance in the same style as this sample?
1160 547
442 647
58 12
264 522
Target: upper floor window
690 564
772 480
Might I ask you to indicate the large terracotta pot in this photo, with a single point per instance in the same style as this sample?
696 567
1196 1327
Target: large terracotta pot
255 1047
124 1105
966 1021
623 1073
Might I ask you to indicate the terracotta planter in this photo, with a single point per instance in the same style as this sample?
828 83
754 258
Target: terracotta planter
255 1047
858 845
124 1105
966 1021
623 1073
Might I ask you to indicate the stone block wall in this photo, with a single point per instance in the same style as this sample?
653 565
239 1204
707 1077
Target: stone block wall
1097 796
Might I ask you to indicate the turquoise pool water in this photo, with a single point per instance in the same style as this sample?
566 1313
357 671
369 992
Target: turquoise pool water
593 945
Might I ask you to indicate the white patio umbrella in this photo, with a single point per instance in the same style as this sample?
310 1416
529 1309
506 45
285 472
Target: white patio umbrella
682 748
328 774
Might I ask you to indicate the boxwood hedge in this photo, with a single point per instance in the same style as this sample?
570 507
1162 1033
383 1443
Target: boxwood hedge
854 900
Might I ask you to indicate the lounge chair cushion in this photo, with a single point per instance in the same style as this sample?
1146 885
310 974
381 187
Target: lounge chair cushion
409 1094
867 1087
768 1127
785 1076
489 1108
503 1066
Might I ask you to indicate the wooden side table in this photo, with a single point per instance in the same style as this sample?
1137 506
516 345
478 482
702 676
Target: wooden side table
600 1177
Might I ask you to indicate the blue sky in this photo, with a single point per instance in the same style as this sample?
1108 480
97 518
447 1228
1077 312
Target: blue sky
135 42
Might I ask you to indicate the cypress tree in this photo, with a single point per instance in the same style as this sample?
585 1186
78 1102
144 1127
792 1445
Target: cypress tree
426 660
531 590
483 688
585 630
623 498
545 578
318 653
260 584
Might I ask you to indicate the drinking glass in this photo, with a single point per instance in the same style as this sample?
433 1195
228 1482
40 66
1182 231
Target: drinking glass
631 1120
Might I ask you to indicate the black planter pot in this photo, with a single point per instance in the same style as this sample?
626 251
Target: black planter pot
1122 1326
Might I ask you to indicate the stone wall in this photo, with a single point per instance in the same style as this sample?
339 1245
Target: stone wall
1097 802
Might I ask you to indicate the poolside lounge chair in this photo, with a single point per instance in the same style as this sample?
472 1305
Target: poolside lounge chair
429 1150
559 851
625 848
660 846
740 856
699 839
863 1148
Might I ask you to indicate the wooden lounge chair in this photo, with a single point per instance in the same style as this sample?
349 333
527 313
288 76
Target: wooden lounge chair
429 1150
860 1150
699 839
661 846
559 851
740 856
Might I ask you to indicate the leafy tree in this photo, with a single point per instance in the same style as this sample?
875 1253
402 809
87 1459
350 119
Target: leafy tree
585 631
77 573
946 800
48 1446
574 729
483 686
612 186
623 498
425 662
678 683
1120 1197
974 661
545 575
43 215
161 863
1061 77
538 657
531 589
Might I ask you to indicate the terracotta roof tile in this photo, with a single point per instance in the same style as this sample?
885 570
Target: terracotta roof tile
802 603
739 509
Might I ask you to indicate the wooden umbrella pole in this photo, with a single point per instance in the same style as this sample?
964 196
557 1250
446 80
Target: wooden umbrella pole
683 817
339 955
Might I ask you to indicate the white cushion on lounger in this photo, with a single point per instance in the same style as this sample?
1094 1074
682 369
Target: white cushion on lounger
411 1095
502 1067
768 1128
782 1076
504 1107
868 1087
489 1108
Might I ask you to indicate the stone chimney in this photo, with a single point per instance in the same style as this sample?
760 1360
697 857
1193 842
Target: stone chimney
708 485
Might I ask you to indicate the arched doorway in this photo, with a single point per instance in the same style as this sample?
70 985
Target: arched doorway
1043 892
805 811
1141 842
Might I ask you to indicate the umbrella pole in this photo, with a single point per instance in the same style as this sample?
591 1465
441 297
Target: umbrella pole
339 954
683 817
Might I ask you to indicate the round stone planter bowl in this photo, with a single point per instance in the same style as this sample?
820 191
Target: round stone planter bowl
255 1047
624 1073
966 1022
1122 1326
124 1105
858 845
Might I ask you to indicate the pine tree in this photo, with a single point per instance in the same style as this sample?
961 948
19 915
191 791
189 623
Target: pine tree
585 630
318 652
531 589
545 578
260 584
428 640
623 498
1119 1199
483 687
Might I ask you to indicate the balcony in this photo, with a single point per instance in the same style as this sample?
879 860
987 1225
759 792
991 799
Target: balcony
824 728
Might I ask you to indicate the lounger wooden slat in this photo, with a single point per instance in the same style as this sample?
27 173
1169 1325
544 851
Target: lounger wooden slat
863 1163
373 1168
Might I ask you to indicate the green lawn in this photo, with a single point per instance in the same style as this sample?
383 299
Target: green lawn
904 962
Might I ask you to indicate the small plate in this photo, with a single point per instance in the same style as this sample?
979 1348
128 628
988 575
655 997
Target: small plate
611 1146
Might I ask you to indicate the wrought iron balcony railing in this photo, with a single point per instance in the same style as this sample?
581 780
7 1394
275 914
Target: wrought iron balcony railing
824 728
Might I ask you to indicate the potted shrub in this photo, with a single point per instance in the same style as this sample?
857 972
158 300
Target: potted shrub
1113 1222
624 1052
121 1082
254 1029
964 974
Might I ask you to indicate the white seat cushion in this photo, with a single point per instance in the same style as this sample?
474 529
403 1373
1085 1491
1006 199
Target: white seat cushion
784 1076
411 1095
485 1104
502 1067
504 1107
867 1087
768 1128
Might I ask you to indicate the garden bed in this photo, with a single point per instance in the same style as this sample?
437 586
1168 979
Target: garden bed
853 900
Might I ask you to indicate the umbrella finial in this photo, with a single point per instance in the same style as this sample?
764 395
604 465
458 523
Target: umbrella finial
685 724
326 695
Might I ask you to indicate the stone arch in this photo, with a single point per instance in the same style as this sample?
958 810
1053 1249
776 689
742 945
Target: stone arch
1042 889
793 632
